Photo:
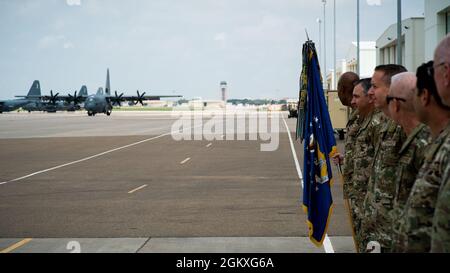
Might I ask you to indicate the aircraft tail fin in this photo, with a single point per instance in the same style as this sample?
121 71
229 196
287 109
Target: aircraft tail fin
83 91
107 85
35 89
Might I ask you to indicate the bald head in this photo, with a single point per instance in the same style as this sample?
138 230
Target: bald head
346 84
403 86
442 69
442 52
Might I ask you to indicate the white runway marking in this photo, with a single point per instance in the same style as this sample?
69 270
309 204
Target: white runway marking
209 145
294 154
86 158
326 242
184 161
153 129
90 157
169 118
140 188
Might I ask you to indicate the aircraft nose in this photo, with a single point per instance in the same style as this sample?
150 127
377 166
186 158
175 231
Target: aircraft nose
89 105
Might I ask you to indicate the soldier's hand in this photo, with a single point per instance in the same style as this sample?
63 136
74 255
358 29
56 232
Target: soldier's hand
338 159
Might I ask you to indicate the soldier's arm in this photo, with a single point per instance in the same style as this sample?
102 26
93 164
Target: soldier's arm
421 208
440 233
374 131
419 154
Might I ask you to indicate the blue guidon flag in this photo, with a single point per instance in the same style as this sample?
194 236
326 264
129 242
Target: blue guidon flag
314 126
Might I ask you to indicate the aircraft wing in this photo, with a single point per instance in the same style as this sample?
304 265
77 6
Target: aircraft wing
149 97
116 99
68 98
28 97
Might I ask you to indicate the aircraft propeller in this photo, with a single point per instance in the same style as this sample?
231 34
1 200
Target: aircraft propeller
117 99
140 98
53 98
75 99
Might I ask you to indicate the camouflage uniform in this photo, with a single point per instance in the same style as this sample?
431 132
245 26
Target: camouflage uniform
412 155
352 129
377 224
363 153
415 225
440 233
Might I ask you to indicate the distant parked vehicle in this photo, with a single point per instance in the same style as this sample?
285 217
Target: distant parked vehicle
292 108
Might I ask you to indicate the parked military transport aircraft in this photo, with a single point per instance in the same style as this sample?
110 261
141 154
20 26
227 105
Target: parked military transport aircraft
103 102
52 104
34 95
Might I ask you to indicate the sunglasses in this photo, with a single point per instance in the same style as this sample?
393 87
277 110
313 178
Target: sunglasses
390 98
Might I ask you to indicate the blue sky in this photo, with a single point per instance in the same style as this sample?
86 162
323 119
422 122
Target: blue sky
186 46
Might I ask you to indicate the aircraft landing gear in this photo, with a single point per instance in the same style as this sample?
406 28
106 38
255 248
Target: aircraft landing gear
108 112
91 114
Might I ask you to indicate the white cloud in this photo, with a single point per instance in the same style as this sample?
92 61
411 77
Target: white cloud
270 28
49 41
221 40
68 45
220 37
374 2
73 2
54 41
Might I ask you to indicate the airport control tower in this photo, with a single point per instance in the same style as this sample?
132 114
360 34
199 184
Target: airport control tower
223 88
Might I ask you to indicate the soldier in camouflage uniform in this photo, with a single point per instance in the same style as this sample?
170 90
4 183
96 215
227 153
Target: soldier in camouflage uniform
401 110
440 233
376 224
345 88
415 224
359 151
347 172
363 152
346 84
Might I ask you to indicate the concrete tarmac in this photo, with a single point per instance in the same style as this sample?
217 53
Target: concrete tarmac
123 184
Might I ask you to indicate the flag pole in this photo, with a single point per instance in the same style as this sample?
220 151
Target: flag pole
307 36
348 208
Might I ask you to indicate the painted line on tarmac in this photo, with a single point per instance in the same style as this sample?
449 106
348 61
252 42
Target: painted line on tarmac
326 242
70 134
153 129
139 188
294 154
184 161
85 159
209 145
16 245
88 158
